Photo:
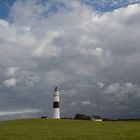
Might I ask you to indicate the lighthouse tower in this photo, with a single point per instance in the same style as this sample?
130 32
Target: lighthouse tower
56 109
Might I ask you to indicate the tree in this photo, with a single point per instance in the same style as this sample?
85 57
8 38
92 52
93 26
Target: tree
82 117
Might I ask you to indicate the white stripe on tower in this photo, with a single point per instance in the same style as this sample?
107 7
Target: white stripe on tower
56 109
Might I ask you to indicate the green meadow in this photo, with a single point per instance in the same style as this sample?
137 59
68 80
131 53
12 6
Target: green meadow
47 129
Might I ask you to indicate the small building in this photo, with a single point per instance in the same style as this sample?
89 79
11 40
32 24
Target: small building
96 118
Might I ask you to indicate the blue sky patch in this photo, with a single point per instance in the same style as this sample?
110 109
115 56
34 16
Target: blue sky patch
98 5
5 8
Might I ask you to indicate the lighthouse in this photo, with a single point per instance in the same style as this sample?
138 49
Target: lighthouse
56 109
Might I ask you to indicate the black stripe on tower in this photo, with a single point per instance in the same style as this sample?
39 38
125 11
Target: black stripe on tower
55 104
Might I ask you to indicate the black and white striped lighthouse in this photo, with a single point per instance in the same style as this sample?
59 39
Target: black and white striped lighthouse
56 109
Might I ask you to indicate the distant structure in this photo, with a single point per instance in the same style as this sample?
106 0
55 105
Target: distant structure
56 109
96 118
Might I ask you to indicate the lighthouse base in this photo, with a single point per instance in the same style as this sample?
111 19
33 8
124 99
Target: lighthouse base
56 113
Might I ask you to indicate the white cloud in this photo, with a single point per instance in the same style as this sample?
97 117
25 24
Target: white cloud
73 104
86 103
113 88
27 12
100 84
96 52
70 92
45 48
23 77
11 71
56 77
10 82
10 33
3 23
78 69
123 89
26 111
27 78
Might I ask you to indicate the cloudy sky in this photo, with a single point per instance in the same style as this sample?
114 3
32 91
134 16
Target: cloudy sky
89 48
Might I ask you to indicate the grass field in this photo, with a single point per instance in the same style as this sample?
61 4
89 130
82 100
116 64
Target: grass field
43 129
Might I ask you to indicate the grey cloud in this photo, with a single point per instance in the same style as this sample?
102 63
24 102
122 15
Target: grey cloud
93 58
